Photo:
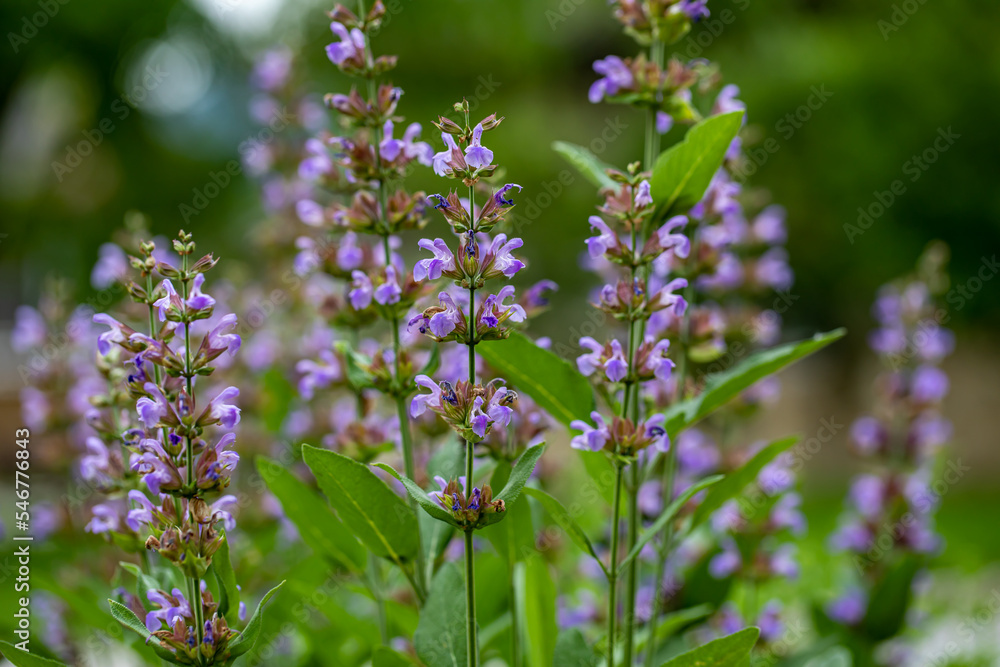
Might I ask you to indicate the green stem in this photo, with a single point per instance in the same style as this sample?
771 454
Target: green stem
613 568
470 567
470 602
378 593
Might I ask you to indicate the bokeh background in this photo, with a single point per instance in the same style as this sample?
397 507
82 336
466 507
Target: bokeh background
159 92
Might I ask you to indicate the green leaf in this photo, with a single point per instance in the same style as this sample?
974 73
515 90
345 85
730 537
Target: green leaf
319 527
737 480
552 382
565 521
427 503
572 650
386 657
19 658
378 517
354 362
536 599
248 637
670 624
229 592
518 478
683 172
127 617
588 164
723 387
601 471
890 599
440 637
145 582
665 517
435 536
730 651
514 539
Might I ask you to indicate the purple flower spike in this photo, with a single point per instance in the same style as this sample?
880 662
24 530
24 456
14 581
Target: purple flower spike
478 156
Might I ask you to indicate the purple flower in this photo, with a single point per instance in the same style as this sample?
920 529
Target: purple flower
389 291
94 465
657 362
143 514
933 342
869 435
769 225
852 536
533 296
495 311
680 243
600 244
421 402
653 431
696 453
666 299
616 366
664 122
105 518
350 47
118 334
443 260
221 510
222 412
868 494
310 212
769 621
197 300
695 9
783 562
111 266
439 161
726 562
171 608
588 363
592 439
218 340
271 69
419 150
151 409
478 156
928 385
849 608
503 260
362 290
440 323
615 75
167 301
498 196
643 198
772 269
390 148
317 374
31 331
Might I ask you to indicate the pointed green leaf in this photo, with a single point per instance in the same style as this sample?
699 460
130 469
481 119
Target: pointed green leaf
665 517
536 599
518 478
890 599
229 592
572 650
20 658
317 524
737 480
246 640
601 471
127 617
588 164
683 172
565 521
723 387
423 499
514 538
554 384
729 651
378 517
440 637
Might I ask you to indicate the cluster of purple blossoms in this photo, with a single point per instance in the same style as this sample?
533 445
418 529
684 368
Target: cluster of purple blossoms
168 447
890 508
466 313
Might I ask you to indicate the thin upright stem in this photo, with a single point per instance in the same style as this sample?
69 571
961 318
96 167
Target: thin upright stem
379 594
616 506
470 563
